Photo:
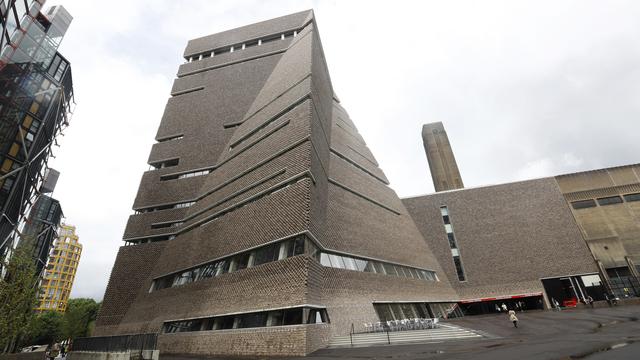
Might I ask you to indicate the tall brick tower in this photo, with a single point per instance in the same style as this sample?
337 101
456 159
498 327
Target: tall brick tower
266 226
442 162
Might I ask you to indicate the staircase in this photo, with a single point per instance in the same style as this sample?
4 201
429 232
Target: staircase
442 333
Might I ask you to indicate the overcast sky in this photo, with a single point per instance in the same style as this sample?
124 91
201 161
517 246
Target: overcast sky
525 89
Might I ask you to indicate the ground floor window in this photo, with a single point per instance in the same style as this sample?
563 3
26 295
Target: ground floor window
498 305
623 282
568 291
278 317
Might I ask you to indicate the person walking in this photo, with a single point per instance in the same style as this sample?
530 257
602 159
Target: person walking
504 307
513 318
556 305
590 301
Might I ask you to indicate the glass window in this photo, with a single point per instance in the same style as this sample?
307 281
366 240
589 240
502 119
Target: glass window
632 197
448 228
389 269
324 260
409 311
369 267
459 270
336 261
452 240
252 320
384 311
610 200
583 204
397 311
266 254
360 264
226 322
275 318
446 219
444 211
292 317
296 247
315 317
350 263
242 261
379 267
208 271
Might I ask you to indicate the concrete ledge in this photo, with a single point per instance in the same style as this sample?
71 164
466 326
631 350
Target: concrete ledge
36 355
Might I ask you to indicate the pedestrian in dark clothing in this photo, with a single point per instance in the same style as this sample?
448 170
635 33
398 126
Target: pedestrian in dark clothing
589 301
513 318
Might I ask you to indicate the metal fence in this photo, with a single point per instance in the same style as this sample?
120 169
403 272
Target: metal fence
122 343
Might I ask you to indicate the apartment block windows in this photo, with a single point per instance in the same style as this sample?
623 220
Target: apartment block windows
583 204
609 200
632 197
451 238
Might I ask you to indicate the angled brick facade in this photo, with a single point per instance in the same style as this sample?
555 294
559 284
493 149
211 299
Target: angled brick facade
254 150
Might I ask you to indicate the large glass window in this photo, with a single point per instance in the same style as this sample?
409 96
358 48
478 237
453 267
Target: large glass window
259 256
278 317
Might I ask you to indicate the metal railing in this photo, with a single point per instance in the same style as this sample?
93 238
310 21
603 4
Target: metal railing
121 343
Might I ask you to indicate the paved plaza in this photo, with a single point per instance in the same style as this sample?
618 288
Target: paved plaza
601 333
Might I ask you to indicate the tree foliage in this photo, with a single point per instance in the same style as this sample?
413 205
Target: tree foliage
79 315
45 328
18 296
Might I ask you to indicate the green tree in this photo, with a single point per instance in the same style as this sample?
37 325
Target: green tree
79 315
45 328
18 296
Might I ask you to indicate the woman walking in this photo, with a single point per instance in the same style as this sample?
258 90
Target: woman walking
513 318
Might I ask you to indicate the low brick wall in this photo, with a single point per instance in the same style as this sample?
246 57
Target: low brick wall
272 341
124 355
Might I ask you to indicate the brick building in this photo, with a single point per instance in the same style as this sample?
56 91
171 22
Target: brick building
266 225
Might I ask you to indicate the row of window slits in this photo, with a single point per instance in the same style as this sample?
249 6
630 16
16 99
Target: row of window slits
455 253
166 207
298 245
241 46
151 239
175 137
609 200
186 175
280 317
180 222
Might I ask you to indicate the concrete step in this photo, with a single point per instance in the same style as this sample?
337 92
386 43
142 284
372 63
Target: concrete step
445 332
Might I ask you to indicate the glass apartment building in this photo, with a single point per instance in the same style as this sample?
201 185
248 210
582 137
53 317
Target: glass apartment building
36 94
